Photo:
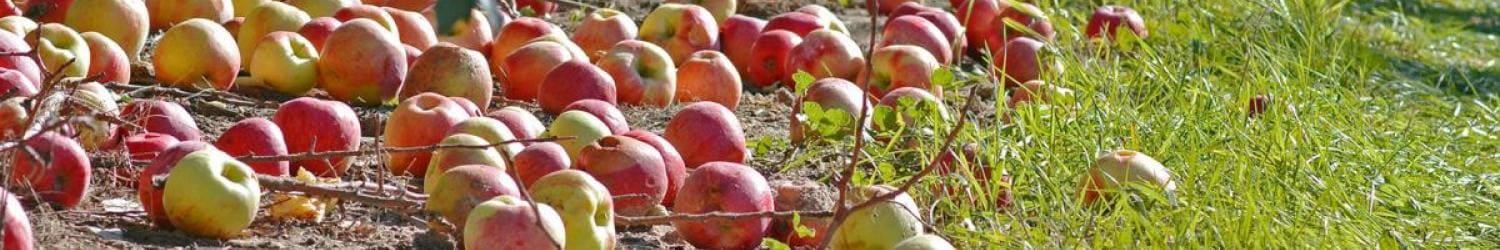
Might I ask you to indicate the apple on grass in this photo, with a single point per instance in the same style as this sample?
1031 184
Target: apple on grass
627 166
317 30
426 110
448 158
1019 61
473 33
601 30
106 59
449 70
462 187
1039 92
161 117
167 13
898 66
879 226
768 61
709 76
17 227
724 187
1107 21
256 136
917 31
263 19
492 131
368 68
313 125
522 123
606 112
197 53
737 38
707 132
899 99
1115 170
210 194
585 206
55 166
978 19
522 73
1258 105
676 171
573 81
584 128
123 21
540 159
824 53
830 94
510 222
57 45
680 29
1022 20
642 71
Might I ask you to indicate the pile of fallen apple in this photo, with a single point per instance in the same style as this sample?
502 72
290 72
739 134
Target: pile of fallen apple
580 171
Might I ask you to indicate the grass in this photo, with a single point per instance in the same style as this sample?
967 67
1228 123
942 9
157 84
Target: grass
1382 133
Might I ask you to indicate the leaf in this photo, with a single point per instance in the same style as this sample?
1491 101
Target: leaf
802 230
942 76
774 245
803 80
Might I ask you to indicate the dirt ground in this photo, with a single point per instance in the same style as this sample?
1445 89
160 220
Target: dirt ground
112 218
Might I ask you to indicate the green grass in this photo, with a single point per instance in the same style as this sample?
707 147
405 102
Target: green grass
1383 131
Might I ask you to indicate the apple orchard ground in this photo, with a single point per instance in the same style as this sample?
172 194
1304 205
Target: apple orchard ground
1383 132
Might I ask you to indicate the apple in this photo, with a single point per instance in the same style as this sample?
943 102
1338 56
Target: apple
642 71
522 73
264 19
313 125
918 96
55 166
707 132
425 110
233 26
798 23
681 29
57 45
415 29
708 76
601 30
1023 15
1106 22
904 8
9 8
367 68
445 159
13 118
522 123
123 21
468 106
145 186
322 8
724 187
462 187
146 146
830 94
17 25
737 40
1039 91
93 97
473 33
1019 61
256 136
106 59
886 7
676 171
540 159
573 81
833 21
606 112
17 228
449 70
879 226
348 14
518 33
824 53
917 31
721 9
242 8
210 194
898 66
627 166
584 128
978 19
1258 105
948 25
769 58
925 242
168 13
512 222
1114 170
801 196
51 11
412 53
14 83
161 117
287 64
535 8
28 68
318 29
492 131
560 39
197 53
585 206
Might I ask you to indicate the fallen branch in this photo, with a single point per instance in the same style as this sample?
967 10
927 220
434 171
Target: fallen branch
621 220
370 193
206 94
844 181
390 150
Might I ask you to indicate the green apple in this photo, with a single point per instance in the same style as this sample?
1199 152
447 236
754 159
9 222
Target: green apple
287 63
585 206
585 128
464 186
493 131
509 221
925 242
264 19
1115 169
57 44
210 194
124 21
879 226
18 25
449 158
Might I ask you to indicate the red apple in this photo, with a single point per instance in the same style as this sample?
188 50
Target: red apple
56 167
899 66
366 68
535 8
415 29
1038 91
29 68
452 71
1106 21
905 8
768 65
473 33
14 83
825 53
313 125
522 123
146 146
518 33
107 59
256 136
371 12
918 96
948 25
681 29
887 7
627 166
149 193
17 227
51 11
644 74
1258 105
830 94
606 112
13 118
707 132
512 222
673 160
523 72
917 31
708 76
724 187
1019 61
9 8
737 40
1027 16
161 117
318 30
796 22
601 30
573 81
468 106
978 20
833 22
540 159
721 9
425 110
462 187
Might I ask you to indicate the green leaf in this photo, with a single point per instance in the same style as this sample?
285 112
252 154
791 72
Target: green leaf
943 76
774 245
803 80
802 230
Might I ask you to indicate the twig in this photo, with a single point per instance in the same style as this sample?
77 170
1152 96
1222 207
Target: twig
206 94
389 150
845 178
621 220
384 196
575 4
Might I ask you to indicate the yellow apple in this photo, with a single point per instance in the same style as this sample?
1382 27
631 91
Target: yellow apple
198 53
124 21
